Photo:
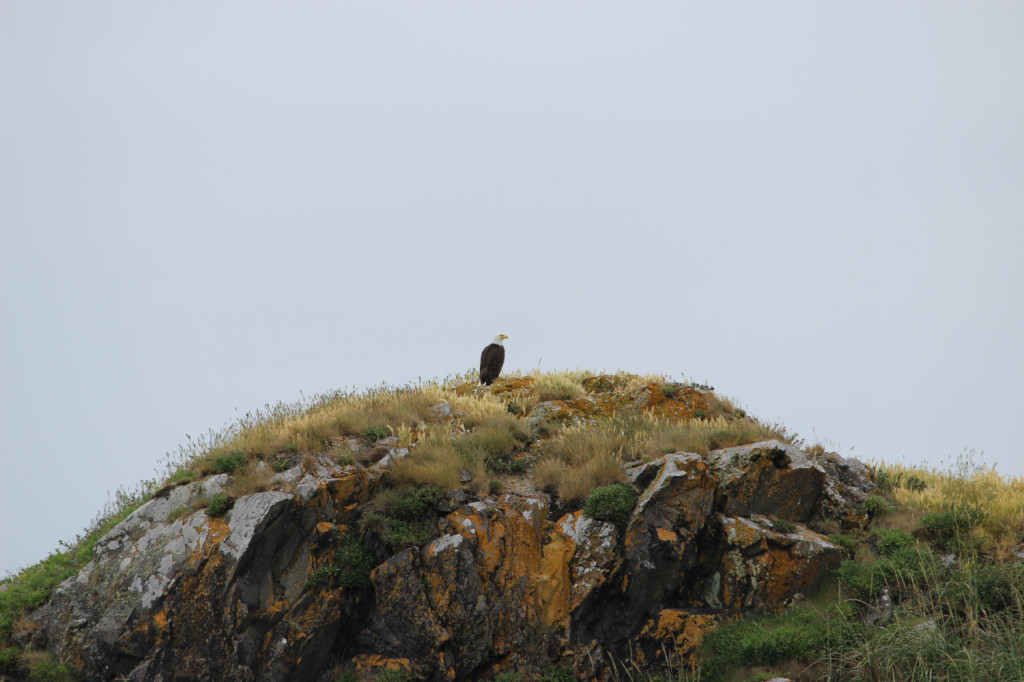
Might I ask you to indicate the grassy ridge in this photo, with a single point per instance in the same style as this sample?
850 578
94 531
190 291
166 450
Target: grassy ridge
956 619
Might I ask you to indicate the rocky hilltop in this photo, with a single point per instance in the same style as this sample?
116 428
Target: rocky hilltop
342 561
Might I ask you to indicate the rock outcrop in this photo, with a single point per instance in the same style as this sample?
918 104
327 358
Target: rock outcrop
503 584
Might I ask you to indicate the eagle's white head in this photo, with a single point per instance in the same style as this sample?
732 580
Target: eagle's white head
499 338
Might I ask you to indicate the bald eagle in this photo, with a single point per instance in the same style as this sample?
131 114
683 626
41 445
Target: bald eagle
491 360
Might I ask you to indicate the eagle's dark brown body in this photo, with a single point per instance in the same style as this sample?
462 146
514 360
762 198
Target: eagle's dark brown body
491 360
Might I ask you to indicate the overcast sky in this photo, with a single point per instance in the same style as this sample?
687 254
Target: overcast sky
816 207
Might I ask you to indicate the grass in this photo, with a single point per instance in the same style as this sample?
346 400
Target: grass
957 489
581 458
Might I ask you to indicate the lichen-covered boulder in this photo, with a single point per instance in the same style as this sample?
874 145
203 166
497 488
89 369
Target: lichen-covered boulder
771 478
763 568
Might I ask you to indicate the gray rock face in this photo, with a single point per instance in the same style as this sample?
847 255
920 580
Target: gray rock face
201 598
113 617
768 478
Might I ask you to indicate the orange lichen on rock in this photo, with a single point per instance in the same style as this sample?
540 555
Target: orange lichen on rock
764 568
377 663
676 633
685 403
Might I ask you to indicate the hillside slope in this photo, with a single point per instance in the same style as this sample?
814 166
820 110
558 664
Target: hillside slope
550 526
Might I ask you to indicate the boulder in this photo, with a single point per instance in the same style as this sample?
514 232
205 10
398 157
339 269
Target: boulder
771 478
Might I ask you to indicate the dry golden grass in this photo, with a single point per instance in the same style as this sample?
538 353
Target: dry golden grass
255 477
1001 497
580 458
558 386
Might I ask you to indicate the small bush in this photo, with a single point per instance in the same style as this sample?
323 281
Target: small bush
884 480
219 505
281 465
670 390
495 487
915 483
783 526
228 463
892 540
842 540
507 466
874 505
951 528
8 659
182 476
350 567
405 516
375 433
49 670
612 503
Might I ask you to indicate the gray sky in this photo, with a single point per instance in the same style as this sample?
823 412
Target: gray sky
204 207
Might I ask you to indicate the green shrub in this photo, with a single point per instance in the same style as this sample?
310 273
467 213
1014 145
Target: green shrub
49 670
952 528
874 505
612 503
281 465
891 540
405 516
9 659
322 575
783 526
375 433
229 463
842 540
671 390
219 505
507 466
915 483
354 564
495 487
350 568
906 569
182 476
411 504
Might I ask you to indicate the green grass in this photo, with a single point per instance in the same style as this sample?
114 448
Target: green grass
218 505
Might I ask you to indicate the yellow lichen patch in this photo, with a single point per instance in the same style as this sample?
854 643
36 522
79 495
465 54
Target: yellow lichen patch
159 620
686 403
513 386
679 633
666 535
554 583
376 662
609 383
324 527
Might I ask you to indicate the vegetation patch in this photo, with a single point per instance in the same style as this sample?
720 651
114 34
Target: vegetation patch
613 503
405 517
219 505
350 568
